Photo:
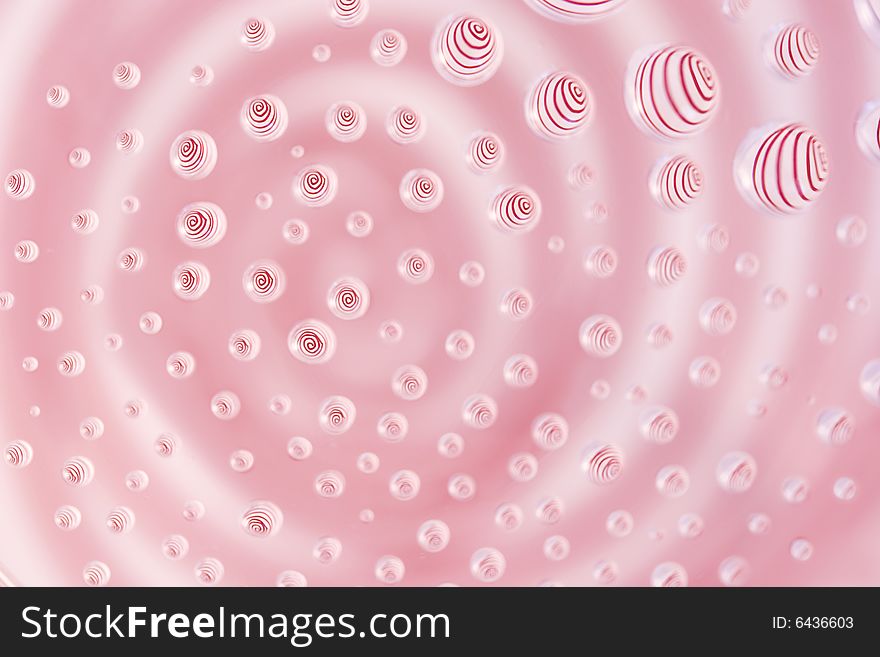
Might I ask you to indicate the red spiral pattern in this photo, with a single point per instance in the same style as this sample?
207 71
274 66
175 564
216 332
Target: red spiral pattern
461 487
79 158
669 575
783 171
359 223
520 371
516 209
262 519
27 251
264 281
175 547
717 316
67 517
676 182
388 48
346 122
244 345
85 222
404 485
166 444
20 184
71 363
315 186
601 261
129 141
600 335
337 415
517 304
91 295
466 50
126 75
295 231
868 130
704 372
392 427
191 280
209 571
327 550
312 341
330 483
485 152
433 536
559 106
522 466
49 319
550 431
666 265
835 426
479 411
201 225
58 96
257 34
405 125
193 154
415 266
120 520
299 448
575 11
348 13
659 424
459 345
672 481
150 322
91 428
18 454
450 445
389 569
794 51
96 573
409 382
488 565
264 117
78 471
291 579
550 510
509 516
421 190
225 405
673 92
241 460
736 472
348 298
131 260
201 75
602 462
180 365
193 510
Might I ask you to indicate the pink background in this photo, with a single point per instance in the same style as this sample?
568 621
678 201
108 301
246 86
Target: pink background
78 44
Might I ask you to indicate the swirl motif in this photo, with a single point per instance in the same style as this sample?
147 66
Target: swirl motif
315 186
517 304
295 231
676 182
602 462
150 322
193 510
49 319
20 184
191 280
404 485
522 466
389 569
672 93
556 548
180 365
415 266
405 125
359 223
120 520
175 547
257 34
26 251
736 472
349 13
126 75
835 426
201 225
346 121
717 316
129 141
520 371
264 117
368 462
264 281
280 404
79 158
669 575
78 471
559 106
241 460
337 415
450 445
433 536
666 265
704 372
262 519
784 170
18 454
466 50
388 47
516 209
91 428
91 295
131 260
619 523
71 364
600 335
201 75
601 261
421 190
312 341
488 565
134 408
575 11
299 448
225 405
794 51
508 516
209 571
7 300
714 238
165 444
550 431
244 345
461 487
392 427
96 573
291 579
672 481
795 490
485 152
327 550
659 424
58 96
868 130
479 411
348 298
409 382
85 222
67 517
330 483
459 345
193 155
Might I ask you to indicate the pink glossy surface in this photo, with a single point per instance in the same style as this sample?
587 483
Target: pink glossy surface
78 44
